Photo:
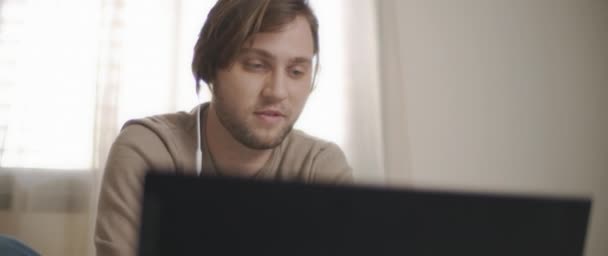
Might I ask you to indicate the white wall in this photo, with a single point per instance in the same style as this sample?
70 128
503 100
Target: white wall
499 96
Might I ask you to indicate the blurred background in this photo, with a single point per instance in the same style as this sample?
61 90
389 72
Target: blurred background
477 95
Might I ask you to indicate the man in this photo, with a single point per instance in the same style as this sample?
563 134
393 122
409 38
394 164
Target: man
258 59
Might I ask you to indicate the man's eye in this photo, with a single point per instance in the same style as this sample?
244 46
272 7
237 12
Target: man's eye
255 66
296 73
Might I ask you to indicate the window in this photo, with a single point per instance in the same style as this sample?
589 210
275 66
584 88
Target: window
48 84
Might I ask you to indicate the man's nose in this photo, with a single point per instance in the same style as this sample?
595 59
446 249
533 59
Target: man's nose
276 86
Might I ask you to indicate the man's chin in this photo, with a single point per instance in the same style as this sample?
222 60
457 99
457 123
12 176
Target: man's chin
264 140
261 144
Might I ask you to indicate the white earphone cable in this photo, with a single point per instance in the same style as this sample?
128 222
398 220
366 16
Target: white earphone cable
199 151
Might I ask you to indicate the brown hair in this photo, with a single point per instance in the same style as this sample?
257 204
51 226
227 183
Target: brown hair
231 23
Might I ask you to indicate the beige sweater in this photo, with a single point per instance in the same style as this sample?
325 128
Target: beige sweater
168 142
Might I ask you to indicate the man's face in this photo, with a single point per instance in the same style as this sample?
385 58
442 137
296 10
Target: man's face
261 95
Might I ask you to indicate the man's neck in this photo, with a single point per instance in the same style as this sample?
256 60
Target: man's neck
230 156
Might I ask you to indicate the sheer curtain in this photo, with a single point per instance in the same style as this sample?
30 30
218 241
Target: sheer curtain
73 71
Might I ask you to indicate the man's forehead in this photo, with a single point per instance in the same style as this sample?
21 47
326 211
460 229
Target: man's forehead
269 55
292 40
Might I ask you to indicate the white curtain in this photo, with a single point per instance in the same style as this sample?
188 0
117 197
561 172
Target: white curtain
76 70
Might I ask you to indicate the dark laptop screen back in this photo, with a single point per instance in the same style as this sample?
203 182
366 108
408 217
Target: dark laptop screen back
216 216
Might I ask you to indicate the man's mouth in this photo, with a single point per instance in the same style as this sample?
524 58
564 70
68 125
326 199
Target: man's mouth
270 116
273 113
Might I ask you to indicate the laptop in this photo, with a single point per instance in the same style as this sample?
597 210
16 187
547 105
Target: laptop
187 215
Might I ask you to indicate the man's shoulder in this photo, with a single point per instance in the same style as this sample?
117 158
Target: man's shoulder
165 141
159 123
162 125
158 131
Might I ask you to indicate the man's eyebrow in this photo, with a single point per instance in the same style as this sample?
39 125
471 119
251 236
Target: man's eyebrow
301 60
263 53
267 55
